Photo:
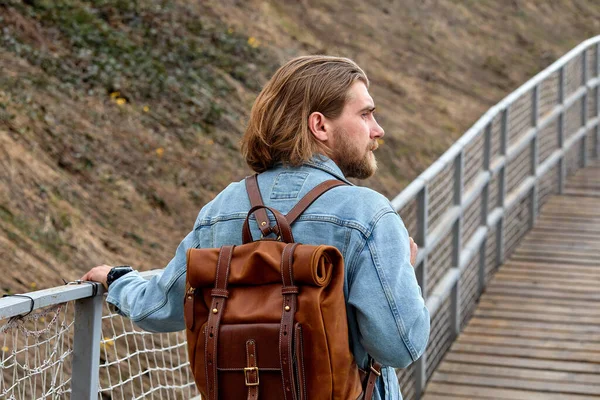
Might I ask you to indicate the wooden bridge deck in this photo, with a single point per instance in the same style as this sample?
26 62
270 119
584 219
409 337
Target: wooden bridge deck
536 331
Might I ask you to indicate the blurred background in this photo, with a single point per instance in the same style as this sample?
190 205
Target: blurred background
120 119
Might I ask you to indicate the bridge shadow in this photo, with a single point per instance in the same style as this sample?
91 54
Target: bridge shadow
536 331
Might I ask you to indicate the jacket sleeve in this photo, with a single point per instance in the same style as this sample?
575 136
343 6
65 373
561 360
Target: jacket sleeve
392 317
155 305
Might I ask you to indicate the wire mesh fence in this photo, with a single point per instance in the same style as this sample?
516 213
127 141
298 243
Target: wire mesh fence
36 354
467 212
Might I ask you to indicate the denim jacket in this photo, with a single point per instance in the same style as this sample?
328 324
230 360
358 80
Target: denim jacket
387 317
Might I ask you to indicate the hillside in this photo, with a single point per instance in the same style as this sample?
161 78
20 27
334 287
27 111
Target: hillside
119 119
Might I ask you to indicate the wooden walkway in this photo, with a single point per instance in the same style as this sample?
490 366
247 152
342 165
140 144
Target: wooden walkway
536 331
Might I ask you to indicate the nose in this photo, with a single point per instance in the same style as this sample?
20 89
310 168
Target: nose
377 131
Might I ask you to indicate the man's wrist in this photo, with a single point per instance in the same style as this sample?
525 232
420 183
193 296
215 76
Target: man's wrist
117 272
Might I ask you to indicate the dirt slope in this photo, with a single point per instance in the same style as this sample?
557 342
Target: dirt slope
119 119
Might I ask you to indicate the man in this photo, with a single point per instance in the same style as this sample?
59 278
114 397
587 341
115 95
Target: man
313 121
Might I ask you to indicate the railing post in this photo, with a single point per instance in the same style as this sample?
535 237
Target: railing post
86 348
420 372
420 375
485 198
561 131
421 237
502 187
459 167
535 116
584 110
455 309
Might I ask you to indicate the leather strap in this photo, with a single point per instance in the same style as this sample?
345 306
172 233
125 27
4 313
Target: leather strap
290 294
300 363
310 197
262 218
256 200
219 296
372 375
282 224
251 372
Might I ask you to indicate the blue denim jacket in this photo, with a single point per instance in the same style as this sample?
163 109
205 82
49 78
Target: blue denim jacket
387 317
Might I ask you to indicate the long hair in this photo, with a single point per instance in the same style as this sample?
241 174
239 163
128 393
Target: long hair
278 127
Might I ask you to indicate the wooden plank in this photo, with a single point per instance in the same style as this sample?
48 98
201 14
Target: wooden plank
575 255
536 308
592 292
523 362
591 192
533 343
550 234
517 372
530 333
578 271
547 277
580 305
591 230
570 268
445 396
475 392
559 355
585 330
560 245
528 316
555 260
546 387
527 292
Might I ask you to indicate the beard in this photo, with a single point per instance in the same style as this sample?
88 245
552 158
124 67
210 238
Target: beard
353 161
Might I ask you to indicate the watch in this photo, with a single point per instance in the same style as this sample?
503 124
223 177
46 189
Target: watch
117 272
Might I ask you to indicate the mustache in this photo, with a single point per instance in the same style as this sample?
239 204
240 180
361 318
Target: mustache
373 145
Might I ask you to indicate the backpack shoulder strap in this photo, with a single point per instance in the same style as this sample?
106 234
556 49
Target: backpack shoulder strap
310 197
256 200
261 214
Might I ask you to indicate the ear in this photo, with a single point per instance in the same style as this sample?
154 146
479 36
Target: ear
317 123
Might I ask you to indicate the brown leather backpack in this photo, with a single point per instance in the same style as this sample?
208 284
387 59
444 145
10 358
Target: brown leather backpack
267 319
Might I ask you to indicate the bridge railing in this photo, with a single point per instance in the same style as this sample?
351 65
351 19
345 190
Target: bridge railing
467 212
469 209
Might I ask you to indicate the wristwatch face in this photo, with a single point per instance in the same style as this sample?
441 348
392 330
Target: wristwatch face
117 272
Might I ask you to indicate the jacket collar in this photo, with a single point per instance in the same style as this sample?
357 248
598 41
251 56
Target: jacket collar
328 165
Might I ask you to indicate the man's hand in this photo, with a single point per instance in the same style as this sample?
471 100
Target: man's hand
98 274
414 249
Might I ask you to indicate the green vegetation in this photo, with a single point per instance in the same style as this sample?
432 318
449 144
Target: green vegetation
143 51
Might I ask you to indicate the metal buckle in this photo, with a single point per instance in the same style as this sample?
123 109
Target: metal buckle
378 373
249 369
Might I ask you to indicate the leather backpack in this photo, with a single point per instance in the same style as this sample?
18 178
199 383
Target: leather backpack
267 319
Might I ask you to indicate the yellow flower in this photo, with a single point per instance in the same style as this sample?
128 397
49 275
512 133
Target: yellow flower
114 95
121 101
380 141
33 285
253 42
5 349
160 151
146 108
108 341
230 31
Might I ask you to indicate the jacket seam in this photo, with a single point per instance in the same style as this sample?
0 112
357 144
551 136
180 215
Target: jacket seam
391 302
162 303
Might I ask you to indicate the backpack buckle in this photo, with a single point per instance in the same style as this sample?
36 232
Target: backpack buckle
374 369
248 378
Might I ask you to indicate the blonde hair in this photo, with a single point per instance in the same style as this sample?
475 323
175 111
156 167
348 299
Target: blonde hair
278 127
